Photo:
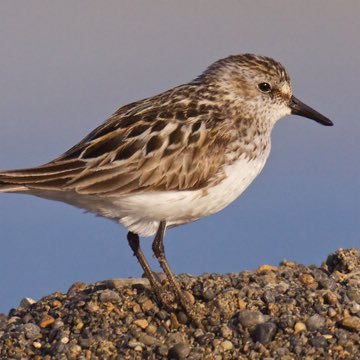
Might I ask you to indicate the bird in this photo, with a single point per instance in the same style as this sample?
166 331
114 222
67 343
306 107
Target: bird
172 158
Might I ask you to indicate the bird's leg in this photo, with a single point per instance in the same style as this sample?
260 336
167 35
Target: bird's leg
134 243
159 251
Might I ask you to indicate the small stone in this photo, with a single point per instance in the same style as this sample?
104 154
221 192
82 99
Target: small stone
315 322
27 318
179 351
249 318
151 329
109 296
58 324
76 288
355 308
147 339
198 333
241 304
46 321
92 307
299 327
332 312
308 280
26 302
32 331
354 295
65 340
162 350
318 342
227 345
79 326
351 323
182 318
174 321
189 296
264 333
327 283
13 320
208 294
269 296
56 303
162 314
133 343
74 351
265 268
226 332
141 323
330 298
138 348
147 305
36 345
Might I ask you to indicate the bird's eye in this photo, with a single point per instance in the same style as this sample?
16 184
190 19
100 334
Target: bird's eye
264 87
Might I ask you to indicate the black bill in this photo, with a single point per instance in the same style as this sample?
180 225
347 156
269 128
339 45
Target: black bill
299 108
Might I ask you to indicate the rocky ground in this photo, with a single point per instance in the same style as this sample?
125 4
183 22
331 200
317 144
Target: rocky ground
287 312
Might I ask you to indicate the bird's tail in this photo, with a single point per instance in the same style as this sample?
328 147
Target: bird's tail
51 176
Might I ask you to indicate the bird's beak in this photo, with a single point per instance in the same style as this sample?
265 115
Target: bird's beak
299 108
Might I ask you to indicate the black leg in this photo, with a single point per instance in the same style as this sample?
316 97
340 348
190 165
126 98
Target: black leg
159 251
134 243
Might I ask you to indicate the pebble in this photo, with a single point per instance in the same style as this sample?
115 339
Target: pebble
264 268
226 332
354 294
327 283
182 318
208 294
65 340
163 350
56 303
151 329
249 318
74 351
141 323
147 339
26 302
351 323
58 324
32 331
330 298
109 296
315 322
227 345
299 327
76 288
264 333
36 345
46 321
147 305
318 342
308 280
179 351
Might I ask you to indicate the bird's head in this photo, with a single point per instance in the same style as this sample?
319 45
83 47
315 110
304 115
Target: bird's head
260 86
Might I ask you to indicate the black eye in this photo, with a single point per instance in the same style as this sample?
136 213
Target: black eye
264 87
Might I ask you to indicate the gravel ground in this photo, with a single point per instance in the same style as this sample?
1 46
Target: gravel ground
287 312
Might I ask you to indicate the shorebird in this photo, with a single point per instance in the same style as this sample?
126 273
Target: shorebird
172 158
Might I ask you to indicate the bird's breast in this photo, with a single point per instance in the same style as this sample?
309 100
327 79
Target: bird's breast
142 212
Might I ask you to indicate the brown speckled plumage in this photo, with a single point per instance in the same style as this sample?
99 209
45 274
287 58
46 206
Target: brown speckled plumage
134 150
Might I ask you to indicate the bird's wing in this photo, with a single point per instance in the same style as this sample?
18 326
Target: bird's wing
148 145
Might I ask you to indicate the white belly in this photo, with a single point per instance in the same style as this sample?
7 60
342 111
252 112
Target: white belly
141 213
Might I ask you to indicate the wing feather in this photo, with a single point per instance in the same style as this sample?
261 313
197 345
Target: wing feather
157 144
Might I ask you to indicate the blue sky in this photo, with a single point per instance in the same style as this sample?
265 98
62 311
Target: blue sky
65 66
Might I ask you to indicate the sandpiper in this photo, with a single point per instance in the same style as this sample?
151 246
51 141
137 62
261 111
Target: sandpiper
172 158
